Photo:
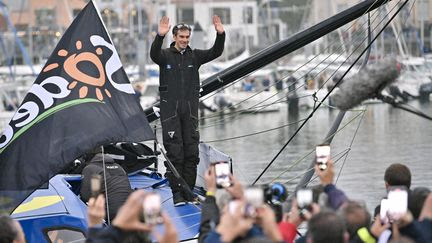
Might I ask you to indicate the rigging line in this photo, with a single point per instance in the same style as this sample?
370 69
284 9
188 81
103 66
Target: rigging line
405 21
307 61
337 83
350 146
357 47
271 129
233 114
332 135
106 187
303 75
368 38
301 159
316 176
248 109
324 50
221 121
335 162
366 59
255 133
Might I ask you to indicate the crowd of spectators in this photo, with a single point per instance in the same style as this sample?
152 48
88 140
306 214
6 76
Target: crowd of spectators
230 215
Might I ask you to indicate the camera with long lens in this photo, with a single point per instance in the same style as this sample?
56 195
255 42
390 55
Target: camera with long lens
275 194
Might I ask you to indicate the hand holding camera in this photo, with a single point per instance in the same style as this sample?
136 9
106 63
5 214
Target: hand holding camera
326 176
210 179
96 211
236 188
233 223
266 218
128 217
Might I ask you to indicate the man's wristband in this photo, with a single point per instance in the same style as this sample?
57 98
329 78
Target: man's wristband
210 194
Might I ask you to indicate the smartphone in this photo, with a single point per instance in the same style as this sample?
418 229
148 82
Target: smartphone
248 211
233 206
254 196
384 206
304 198
152 209
222 172
398 202
322 153
95 185
304 201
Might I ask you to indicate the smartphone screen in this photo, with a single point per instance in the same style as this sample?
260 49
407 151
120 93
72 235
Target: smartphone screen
322 153
254 196
248 211
222 172
152 209
398 202
95 185
304 198
384 210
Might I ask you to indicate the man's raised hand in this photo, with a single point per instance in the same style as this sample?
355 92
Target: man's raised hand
218 24
164 26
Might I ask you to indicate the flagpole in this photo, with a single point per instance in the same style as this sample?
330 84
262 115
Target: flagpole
105 183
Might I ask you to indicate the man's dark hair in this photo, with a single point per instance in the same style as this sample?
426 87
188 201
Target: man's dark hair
181 26
326 227
8 231
355 216
416 199
398 175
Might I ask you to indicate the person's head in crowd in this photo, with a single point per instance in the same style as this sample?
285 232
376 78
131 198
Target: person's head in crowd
416 200
402 239
10 230
397 175
355 216
326 227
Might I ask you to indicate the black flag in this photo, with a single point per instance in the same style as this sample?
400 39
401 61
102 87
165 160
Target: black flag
81 99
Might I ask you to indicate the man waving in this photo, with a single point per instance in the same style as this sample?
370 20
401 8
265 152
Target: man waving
179 87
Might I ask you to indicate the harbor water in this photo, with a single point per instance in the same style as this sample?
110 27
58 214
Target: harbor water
374 136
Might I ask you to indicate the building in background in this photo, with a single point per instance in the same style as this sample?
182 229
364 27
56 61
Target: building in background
250 25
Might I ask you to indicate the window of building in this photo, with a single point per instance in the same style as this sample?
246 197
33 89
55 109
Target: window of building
223 13
185 15
247 15
45 17
110 18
